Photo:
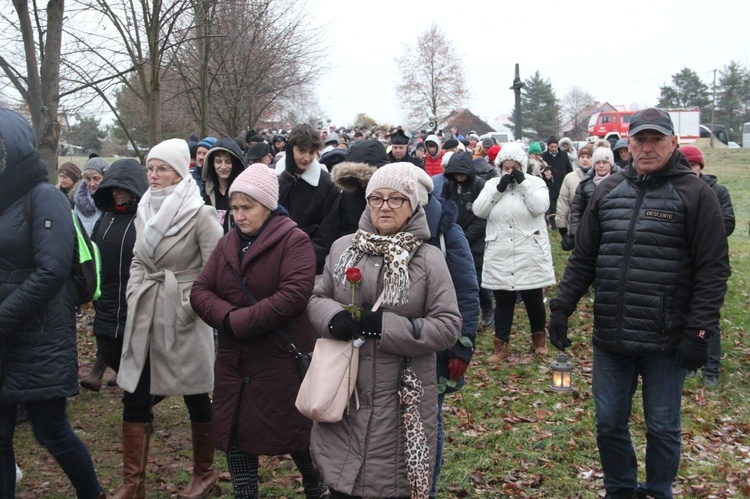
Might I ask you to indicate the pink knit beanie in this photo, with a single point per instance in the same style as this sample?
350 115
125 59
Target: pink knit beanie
260 183
396 176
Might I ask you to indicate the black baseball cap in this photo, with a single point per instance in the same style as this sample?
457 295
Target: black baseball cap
651 119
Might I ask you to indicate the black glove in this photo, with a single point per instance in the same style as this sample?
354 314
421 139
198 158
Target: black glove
343 327
505 181
558 330
518 176
566 242
371 323
692 352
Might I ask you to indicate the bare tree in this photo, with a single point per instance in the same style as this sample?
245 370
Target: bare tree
576 111
250 61
432 77
38 82
130 36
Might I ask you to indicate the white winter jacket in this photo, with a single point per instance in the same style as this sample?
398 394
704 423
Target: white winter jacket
517 253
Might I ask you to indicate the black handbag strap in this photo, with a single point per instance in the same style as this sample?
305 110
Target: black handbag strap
287 344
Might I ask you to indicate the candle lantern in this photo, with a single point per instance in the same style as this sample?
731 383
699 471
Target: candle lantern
561 374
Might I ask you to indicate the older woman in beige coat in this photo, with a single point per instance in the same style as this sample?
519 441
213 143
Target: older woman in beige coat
363 454
167 349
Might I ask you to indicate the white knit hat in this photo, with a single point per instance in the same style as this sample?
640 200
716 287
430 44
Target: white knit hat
425 185
260 183
175 153
602 154
512 151
396 176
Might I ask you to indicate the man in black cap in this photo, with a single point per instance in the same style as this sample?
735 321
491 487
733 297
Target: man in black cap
399 147
559 163
258 153
653 239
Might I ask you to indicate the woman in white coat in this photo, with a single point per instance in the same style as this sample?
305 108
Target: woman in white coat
167 349
517 257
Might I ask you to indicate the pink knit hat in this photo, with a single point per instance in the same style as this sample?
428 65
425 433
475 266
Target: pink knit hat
260 183
396 176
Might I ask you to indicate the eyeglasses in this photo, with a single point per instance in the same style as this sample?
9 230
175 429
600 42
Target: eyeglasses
393 203
160 170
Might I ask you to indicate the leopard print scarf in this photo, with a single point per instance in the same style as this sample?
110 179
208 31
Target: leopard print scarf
396 251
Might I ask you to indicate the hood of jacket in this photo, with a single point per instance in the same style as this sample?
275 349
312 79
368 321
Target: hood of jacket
435 140
460 163
126 174
21 167
441 215
208 173
350 176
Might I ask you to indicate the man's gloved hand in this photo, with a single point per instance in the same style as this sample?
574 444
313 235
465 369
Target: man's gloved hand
558 330
371 323
342 326
518 176
505 181
566 242
456 368
692 352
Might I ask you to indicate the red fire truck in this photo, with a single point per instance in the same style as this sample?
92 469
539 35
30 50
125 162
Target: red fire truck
613 125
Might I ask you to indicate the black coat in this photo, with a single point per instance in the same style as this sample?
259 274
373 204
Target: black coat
561 166
38 355
114 234
725 200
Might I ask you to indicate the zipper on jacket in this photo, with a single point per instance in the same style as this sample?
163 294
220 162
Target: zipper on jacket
625 260
111 221
663 312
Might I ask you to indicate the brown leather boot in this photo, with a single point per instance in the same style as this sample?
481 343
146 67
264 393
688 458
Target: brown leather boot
539 344
205 477
93 381
134 456
500 352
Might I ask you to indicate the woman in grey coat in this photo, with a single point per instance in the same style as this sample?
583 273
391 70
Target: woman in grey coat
408 312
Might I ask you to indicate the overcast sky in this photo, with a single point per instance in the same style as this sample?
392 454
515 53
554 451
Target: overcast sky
620 52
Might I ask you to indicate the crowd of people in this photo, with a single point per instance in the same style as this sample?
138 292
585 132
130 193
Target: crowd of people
220 252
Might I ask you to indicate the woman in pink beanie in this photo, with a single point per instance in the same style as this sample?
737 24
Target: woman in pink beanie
254 291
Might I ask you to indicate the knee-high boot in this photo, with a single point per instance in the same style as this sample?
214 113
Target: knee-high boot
205 478
134 456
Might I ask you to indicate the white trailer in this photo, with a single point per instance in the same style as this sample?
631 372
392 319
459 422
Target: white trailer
687 124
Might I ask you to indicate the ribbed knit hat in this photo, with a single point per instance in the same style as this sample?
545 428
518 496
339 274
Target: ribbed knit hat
512 151
260 183
175 153
425 185
587 149
603 154
97 164
72 171
535 148
693 155
208 143
397 176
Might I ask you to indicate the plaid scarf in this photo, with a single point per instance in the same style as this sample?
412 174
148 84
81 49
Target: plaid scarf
396 251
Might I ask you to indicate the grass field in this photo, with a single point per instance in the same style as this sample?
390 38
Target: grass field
506 433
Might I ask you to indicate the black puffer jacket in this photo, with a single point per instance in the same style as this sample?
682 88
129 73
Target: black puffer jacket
464 194
655 245
115 234
38 356
725 200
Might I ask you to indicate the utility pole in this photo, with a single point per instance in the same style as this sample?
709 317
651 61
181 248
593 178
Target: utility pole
713 112
517 86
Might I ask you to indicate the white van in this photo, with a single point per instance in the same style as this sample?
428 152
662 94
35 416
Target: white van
746 135
500 137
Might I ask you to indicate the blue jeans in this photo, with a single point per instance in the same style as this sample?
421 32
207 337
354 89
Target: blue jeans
54 433
712 368
439 451
614 381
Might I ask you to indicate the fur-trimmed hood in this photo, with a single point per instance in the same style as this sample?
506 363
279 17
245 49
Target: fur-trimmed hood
349 175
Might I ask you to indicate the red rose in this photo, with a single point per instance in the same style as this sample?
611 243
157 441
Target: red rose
353 275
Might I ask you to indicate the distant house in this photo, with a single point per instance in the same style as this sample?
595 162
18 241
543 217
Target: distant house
464 121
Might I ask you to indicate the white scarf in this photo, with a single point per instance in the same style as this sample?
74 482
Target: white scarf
165 211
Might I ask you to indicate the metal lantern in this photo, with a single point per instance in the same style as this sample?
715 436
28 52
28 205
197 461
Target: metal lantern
561 374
